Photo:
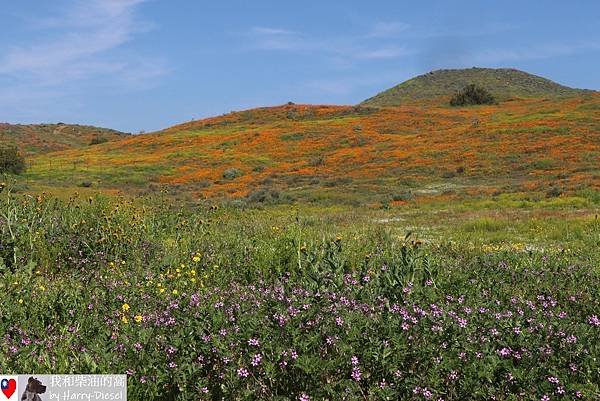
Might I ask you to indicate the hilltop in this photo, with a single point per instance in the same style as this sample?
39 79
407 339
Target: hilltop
503 83
43 138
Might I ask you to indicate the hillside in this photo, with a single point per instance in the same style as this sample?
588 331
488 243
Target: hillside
503 83
44 138
352 155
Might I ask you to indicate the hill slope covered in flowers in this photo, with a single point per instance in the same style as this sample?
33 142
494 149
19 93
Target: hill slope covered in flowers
353 155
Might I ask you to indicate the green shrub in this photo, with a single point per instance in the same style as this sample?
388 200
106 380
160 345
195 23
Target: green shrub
11 161
232 173
554 192
264 195
403 196
472 94
98 140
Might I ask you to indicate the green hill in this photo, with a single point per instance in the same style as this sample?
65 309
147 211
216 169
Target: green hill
44 138
503 83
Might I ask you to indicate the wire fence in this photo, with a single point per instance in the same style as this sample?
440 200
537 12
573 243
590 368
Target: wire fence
75 165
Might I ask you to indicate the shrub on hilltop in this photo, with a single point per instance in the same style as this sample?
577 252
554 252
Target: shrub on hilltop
472 94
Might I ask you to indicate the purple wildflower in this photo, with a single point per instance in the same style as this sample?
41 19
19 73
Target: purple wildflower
256 360
356 373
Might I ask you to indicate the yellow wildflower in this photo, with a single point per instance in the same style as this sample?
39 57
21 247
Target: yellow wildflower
138 318
125 307
124 319
175 292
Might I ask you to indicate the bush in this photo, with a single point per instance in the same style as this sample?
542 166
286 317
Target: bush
98 140
232 173
471 95
403 196
338 181
264 195
11 161
554 192
316 161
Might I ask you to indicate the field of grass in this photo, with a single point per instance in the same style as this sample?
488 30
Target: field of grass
442 302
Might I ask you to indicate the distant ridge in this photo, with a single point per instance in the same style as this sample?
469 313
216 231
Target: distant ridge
503 83
43 138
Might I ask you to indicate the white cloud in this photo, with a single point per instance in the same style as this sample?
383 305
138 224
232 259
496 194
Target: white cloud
272 31
387 29
383 53
272 38
81 39
343 50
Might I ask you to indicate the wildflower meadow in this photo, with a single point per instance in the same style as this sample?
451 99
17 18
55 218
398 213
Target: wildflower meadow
221 304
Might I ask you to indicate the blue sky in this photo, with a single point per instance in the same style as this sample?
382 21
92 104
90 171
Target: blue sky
147 64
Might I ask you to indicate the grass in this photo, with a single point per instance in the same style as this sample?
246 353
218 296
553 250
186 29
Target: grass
503 83
300 303
34 139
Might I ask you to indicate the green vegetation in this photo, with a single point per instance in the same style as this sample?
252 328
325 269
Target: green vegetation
503 83
11 161
35 139
209 303
472 95
232 173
